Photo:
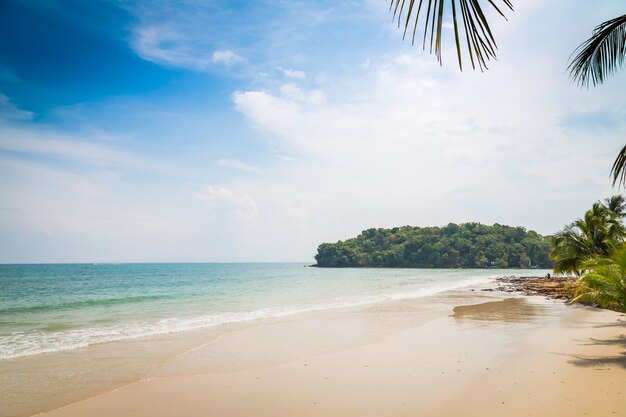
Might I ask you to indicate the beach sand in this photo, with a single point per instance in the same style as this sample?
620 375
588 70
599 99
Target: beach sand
491 355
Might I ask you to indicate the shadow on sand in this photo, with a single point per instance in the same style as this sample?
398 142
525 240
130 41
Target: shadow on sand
599 361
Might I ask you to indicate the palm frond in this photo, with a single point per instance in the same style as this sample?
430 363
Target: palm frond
481 45
618 171
601 55
605 282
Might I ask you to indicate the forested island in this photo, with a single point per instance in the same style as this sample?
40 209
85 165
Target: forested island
466 245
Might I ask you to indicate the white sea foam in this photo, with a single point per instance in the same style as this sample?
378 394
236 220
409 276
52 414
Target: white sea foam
20 344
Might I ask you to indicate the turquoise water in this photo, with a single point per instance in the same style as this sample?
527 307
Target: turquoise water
46 308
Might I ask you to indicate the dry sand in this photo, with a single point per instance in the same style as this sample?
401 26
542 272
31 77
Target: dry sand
490 356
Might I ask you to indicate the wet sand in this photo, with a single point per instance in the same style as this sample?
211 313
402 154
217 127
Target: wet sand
489 355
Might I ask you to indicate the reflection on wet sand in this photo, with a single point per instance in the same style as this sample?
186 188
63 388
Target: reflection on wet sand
510 310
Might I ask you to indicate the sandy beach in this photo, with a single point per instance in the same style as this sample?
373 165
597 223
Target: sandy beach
492 354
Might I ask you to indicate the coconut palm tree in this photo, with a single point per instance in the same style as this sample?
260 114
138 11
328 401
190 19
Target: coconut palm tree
605 282
617 204
599 233
468 19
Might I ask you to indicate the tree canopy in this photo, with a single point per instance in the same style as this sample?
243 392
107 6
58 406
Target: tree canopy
597 234
466 245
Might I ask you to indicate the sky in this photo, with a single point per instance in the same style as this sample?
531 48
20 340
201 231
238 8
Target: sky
253 131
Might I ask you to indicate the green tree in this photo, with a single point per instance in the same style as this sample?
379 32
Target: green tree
617 204
468 245
605 282
597 234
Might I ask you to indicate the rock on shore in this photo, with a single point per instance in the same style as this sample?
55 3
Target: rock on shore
555 287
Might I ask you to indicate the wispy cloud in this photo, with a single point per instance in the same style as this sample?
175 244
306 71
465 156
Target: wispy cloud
68 148
244 206
265 34
8 111
236 164
301 75
226 57
165 45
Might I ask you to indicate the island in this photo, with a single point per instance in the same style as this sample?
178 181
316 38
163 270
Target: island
465 245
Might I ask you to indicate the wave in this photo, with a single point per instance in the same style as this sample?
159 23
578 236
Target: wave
71 305
20 344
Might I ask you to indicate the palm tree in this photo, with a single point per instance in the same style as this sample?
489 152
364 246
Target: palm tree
617 204
598 233
605 282
481 45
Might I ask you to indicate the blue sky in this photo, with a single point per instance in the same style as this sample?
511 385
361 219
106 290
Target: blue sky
253 131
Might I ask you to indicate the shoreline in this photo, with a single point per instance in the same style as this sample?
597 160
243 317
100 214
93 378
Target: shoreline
182 315
286 352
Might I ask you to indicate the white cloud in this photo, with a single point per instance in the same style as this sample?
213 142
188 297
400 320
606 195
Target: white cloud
236 164
414 144
226 57
244 206
278 112
164 45
301 75
262 107
170 46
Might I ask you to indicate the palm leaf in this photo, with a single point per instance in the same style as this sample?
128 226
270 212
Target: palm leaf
605 282
601 55
618 171
617 203
481 45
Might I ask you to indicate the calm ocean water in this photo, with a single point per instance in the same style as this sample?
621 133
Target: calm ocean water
46 308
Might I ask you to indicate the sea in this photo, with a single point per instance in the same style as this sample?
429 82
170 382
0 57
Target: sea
56 307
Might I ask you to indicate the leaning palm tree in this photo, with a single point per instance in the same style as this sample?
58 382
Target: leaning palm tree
468 19
605 282
599 233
